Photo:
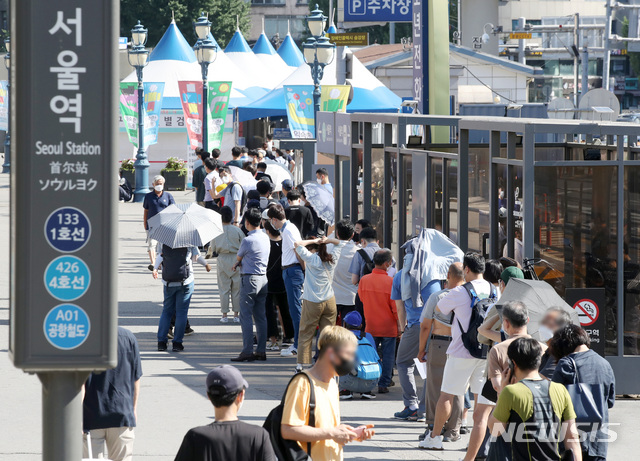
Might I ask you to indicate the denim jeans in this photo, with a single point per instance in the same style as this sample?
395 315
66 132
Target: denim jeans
293 281
387 347
355 384
253 296
176 302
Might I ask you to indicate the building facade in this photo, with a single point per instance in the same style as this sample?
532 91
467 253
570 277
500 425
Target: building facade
277 17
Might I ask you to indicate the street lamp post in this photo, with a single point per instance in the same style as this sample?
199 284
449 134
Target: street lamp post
6 166
318 52
138 59
206 53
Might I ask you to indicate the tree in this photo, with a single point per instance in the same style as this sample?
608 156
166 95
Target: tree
156 16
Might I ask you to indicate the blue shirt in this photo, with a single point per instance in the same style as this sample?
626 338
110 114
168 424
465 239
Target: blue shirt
108 400
413 314
154 203
254 251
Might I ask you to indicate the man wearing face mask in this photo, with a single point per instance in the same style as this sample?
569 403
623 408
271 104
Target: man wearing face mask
234 195
336 357
554 319
154 202
322 178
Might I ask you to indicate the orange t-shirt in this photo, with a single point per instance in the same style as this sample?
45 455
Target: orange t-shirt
380 311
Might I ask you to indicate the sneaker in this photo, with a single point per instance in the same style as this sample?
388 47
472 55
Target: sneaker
224 320
346 395
188 331
162 346
464 430
368 395
178 347
407 414
422 418
451 436
170 334
425 434
287 342
273 346
383 390
236 320
431 443
289 352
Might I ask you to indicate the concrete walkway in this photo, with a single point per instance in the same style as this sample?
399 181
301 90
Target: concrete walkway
173 397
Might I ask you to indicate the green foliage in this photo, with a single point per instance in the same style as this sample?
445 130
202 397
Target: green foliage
175 164
156 15
128 165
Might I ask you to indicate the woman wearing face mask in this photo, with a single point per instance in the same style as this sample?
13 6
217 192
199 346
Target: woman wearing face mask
318 300
554 319
336 357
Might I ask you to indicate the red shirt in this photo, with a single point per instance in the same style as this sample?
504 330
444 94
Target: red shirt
379 310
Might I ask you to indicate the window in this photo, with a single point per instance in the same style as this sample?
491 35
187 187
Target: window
279 25
268 2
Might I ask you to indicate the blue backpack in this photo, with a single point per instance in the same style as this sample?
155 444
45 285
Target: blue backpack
367 364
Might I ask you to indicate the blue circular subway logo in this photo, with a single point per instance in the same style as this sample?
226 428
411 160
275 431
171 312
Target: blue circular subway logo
67 278
67 229
67 326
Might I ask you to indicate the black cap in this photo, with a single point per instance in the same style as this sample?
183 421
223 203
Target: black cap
225 379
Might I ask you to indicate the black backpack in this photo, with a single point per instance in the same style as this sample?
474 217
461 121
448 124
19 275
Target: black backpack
174 264
479 308
368 263
289 450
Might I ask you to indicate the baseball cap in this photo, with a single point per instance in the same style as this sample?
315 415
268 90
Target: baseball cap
353 319
225 379
265 214
287 184
511 273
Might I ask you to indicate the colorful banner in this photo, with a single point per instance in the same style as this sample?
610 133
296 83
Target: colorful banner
299 102
152 106
218 102
334 98
218 96
4 105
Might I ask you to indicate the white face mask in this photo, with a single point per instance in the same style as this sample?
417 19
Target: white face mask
226 179
319 181
159 187
545 333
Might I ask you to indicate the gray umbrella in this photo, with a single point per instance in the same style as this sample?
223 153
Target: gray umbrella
185 225
538 296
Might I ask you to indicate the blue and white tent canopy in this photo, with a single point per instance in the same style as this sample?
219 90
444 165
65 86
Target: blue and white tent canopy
369 94
276 70
290 53
239 53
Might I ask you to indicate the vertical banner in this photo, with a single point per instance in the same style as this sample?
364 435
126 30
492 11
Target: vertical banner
4 105
129 109
334 98
152 104
299 102
191 99
218 96
420 85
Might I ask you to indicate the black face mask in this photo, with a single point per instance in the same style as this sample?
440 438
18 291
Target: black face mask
344 367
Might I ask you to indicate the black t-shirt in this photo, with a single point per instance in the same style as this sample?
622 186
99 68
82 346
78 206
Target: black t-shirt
302 218
275 281
228 440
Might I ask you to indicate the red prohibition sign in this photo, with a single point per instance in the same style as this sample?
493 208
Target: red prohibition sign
588 312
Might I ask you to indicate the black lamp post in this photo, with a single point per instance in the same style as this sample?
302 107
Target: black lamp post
206 53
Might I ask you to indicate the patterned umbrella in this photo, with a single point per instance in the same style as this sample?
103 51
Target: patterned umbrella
185 225
321 201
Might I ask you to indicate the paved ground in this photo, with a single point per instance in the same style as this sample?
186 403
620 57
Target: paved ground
172 398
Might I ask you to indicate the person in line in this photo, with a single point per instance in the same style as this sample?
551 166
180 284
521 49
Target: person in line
336 353
110 401
380 313
236 155
233 194
344 290
253 257
262 175
492 272
292 270
350 384
211 182
435 337
298 214
318 300
178 280
369 245
461 370
289 155
540 410
199 175
227 438
264 188
322 177
287 186
154 202
277 304
579 364
359 225
226 246
555 318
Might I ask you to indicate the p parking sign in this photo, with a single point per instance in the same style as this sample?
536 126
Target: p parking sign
63 184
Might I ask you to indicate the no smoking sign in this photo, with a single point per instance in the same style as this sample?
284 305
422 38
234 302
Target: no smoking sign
588 312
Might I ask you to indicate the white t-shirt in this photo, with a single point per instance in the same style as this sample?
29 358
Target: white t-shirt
290 234
344 290
459 302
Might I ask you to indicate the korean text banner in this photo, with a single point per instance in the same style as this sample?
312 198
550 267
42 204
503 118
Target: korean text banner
152 105
129 109
334 98
191 99
218 96
377 10
4 105
299 101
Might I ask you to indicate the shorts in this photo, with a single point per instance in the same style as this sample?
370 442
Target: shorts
152 245
461 373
